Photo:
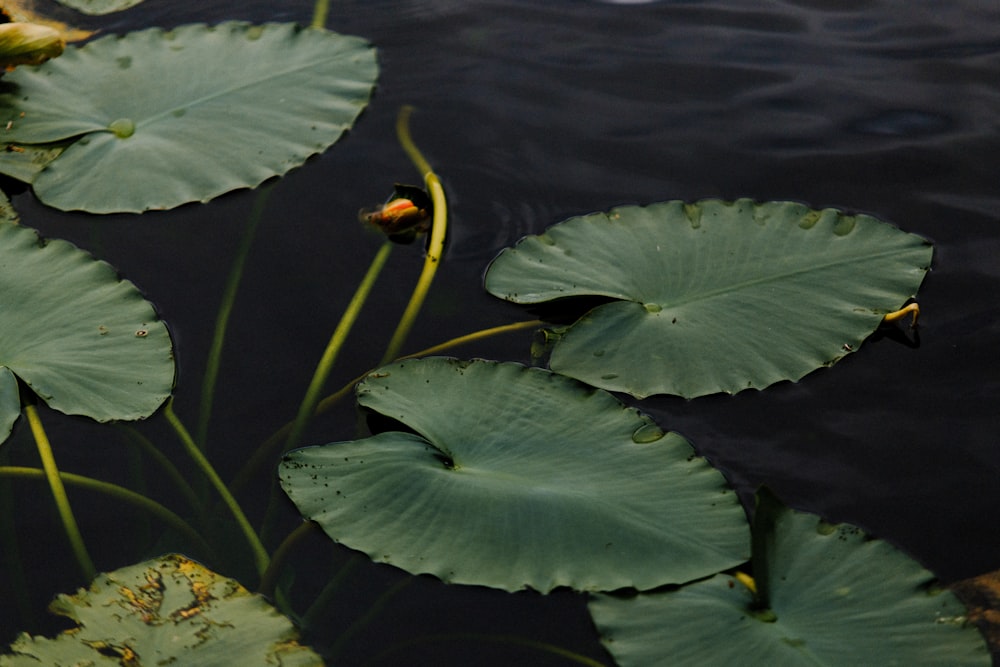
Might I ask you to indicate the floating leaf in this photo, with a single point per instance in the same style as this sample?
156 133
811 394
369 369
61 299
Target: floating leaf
161 118
713 296
516 477
836 597
165 611
99 7
83 339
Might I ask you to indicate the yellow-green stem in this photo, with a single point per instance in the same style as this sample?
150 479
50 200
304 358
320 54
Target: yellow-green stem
261 558
319 13
118 492
59 493
347 320
435 246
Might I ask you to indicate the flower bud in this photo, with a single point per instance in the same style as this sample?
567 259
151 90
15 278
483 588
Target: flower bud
28 44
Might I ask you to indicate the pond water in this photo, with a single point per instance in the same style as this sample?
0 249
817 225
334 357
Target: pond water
532 113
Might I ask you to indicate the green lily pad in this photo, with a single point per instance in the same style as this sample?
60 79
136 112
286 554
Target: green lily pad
83 339
834 596
161 118
99 7
712 296
516 477
165 611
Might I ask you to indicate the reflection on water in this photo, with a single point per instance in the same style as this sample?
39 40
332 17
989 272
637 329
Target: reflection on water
534 112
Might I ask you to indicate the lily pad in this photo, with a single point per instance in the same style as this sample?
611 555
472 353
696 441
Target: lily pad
515 477
713 296
834 596
165 611
159 118
84 339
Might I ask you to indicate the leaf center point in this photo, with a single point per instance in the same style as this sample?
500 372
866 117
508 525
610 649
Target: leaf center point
123 128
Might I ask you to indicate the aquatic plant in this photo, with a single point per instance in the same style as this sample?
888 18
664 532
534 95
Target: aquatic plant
161 611
821 594
515 478
712 296
478 472
153 136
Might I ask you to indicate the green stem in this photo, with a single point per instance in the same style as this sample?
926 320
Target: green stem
266 451
435 247
332 399
260 553
350 316
119 493
225 310
59 493
319 13
269 580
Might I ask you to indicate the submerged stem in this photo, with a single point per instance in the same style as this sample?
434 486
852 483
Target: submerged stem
365 619
435 247
119 493
350 316
59 492
222 319
10 554
269 580
168 468
325 597
260 553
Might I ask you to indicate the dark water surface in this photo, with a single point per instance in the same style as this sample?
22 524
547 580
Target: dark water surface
534 112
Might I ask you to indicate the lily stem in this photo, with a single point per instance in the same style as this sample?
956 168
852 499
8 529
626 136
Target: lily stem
350 316
435 247
319 14
261 558
59 492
